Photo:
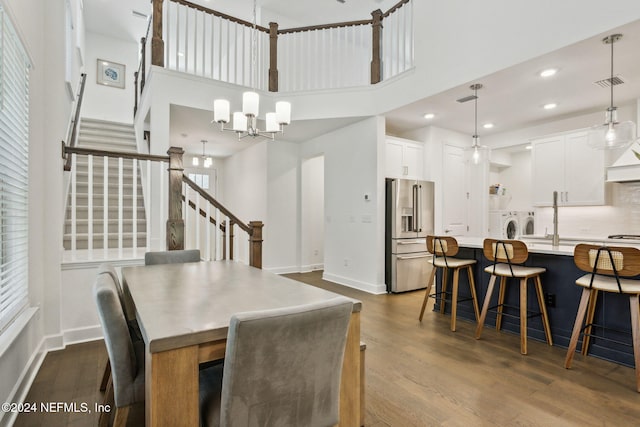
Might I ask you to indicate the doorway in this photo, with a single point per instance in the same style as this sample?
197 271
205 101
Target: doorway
456 197
312 214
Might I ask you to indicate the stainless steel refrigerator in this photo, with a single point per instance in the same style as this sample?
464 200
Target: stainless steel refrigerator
408 219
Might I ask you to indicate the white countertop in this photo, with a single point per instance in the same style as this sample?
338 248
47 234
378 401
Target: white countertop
541 245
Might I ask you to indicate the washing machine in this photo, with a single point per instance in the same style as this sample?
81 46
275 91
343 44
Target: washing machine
527 223
504 225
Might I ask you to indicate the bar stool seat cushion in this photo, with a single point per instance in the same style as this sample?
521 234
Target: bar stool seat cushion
518 270
452 262
609 284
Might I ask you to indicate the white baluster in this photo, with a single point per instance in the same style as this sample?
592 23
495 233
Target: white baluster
208 233
217 236
105 204
74 207
168 39
90 202
178 39
134 205
197 218
147 207
227 236
120 202
188 226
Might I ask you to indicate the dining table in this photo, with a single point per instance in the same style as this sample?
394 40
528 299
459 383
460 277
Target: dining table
184 312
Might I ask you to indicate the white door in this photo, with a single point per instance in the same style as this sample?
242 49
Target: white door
455 197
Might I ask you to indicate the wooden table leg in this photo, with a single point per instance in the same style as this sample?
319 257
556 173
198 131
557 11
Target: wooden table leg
350 382
171 389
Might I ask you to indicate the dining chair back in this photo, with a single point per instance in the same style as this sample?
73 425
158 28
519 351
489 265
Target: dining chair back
282 368
127 362
172 257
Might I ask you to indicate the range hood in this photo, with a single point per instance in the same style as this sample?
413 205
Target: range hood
627 167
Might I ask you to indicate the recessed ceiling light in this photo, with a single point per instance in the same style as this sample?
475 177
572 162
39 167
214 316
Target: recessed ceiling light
429 116
528 147
487 125
548 72
550 106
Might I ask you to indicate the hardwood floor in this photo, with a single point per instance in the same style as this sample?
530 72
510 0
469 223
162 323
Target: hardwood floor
417 374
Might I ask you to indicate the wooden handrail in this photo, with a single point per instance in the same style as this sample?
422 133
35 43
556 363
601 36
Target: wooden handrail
76 118
221 15
104 153
217 205
203 213
394 8
326 26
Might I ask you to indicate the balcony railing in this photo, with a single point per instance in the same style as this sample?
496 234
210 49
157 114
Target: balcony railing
190 38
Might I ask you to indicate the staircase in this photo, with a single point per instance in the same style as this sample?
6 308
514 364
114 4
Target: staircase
111 136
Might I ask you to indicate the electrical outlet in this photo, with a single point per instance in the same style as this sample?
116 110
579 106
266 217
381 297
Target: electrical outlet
550 300
346 262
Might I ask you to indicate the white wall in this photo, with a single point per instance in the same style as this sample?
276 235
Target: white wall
107 102
280 247
312 214
354 228
244 192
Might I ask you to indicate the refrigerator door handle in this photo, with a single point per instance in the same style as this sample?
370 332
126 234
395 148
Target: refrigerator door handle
415 208
419 209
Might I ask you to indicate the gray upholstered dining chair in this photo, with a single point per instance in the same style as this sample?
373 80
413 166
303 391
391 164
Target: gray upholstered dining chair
282 368
172 257
126 356
132 323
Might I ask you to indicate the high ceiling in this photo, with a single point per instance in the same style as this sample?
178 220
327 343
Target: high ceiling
510 98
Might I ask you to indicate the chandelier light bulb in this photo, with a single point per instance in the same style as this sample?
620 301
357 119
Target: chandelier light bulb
476 155
195 161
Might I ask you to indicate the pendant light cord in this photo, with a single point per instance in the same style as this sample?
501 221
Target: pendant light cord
475 133
254 43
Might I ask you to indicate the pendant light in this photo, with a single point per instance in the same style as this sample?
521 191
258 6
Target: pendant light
612 134
206 161
477 153
245 122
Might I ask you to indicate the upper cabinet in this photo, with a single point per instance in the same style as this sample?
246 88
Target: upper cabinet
566 164
404 158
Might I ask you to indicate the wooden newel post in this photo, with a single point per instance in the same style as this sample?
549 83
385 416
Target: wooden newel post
376 63
175 223
231 224
157 44
255 244
273 56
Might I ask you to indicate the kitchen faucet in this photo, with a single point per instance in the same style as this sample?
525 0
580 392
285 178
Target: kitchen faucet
555 239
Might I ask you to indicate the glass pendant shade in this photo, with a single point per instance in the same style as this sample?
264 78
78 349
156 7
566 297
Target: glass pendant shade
477 154
612 134
271 124
195 161
283 112
239 122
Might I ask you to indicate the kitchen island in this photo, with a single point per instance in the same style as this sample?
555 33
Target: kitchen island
562 296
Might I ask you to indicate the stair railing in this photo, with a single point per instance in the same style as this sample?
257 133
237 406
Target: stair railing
191 38
181 234
74 120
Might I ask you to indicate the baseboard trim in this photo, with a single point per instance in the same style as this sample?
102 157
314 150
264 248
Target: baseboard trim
363 286
22 387
80 335
283 270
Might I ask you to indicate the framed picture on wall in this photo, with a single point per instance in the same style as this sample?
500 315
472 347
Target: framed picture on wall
111 73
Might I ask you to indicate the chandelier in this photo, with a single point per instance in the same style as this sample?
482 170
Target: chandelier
206 161
612 134
245 122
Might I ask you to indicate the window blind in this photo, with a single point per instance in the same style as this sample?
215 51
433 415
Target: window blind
14 172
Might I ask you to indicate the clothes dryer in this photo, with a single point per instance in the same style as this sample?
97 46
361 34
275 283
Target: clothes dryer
504 225
527 223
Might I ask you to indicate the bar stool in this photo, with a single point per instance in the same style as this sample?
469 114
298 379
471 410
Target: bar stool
607 268
444 248
506 255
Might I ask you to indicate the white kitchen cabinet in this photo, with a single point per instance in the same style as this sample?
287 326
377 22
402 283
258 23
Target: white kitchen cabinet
404 158
566 164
